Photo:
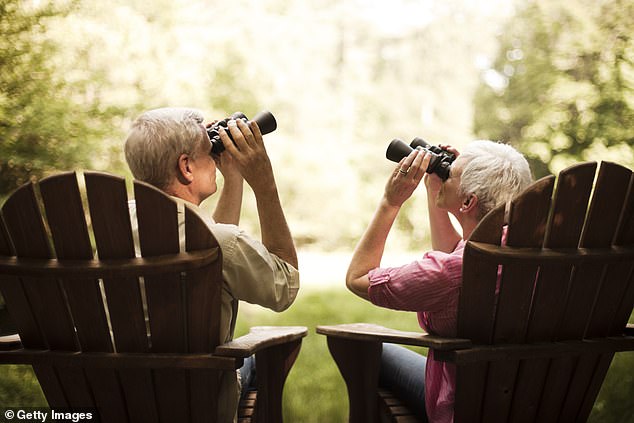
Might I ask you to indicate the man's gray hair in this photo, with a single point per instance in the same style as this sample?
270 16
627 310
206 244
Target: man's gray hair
156 140
494 172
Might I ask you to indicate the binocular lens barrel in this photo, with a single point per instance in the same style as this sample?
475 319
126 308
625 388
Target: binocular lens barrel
397 150
265 120
440 159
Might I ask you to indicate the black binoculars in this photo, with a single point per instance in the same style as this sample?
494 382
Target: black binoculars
440 159
265 120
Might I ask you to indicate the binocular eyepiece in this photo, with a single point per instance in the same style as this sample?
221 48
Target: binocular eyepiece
265 120
440 159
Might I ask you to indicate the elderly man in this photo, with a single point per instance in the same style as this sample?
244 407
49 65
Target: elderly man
170 149
485 175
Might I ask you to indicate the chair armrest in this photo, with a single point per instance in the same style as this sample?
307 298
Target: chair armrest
375 333
259 338
275 349
10 342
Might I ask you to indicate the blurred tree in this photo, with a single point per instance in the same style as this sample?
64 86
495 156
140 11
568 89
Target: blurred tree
562 87
46 122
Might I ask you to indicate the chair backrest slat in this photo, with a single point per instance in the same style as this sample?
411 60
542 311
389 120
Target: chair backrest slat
528 215
69 231
601 283
6 247
16 300
475 317
138 387
25 225
26 228
172 395
126 393
107 392
67 222
76 387
158 235
570 203
51 385
202 297
477 299
599 231
625 237
26 323
616 276
110 216
203 317
44 297
569 206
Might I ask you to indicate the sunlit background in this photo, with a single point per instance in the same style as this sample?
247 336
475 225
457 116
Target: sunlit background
555 78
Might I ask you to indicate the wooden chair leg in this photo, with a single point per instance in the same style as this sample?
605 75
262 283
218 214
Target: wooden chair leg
272 367
359 363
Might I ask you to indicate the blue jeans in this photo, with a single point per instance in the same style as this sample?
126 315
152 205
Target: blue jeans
247 376
403 373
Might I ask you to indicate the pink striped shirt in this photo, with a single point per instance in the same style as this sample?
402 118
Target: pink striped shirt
431 287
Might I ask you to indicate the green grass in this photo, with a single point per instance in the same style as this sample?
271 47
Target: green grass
314 391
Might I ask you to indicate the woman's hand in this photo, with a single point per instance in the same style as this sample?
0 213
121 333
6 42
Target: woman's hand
432 181
406 177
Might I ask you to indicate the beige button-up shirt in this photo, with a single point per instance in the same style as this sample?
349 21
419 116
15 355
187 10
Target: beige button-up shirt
250 273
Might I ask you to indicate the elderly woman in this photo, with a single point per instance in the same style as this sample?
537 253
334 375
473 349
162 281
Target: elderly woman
485 175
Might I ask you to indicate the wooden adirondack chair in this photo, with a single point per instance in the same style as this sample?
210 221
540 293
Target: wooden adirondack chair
98 338
539 351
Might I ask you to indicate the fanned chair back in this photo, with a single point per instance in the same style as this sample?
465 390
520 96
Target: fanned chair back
563 282
103 328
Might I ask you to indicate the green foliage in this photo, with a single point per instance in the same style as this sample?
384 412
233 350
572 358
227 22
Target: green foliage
46 122
19 387
227 82
342 77
562 87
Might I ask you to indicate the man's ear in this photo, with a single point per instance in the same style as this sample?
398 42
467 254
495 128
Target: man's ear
184 172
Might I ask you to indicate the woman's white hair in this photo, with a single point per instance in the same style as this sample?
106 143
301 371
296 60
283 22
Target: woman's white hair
494 172
156 140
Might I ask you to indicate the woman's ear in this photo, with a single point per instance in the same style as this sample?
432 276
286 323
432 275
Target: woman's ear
184 172
469 204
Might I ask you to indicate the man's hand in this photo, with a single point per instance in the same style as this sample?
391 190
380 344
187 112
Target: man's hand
230 202
248 152
254 165
227 166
